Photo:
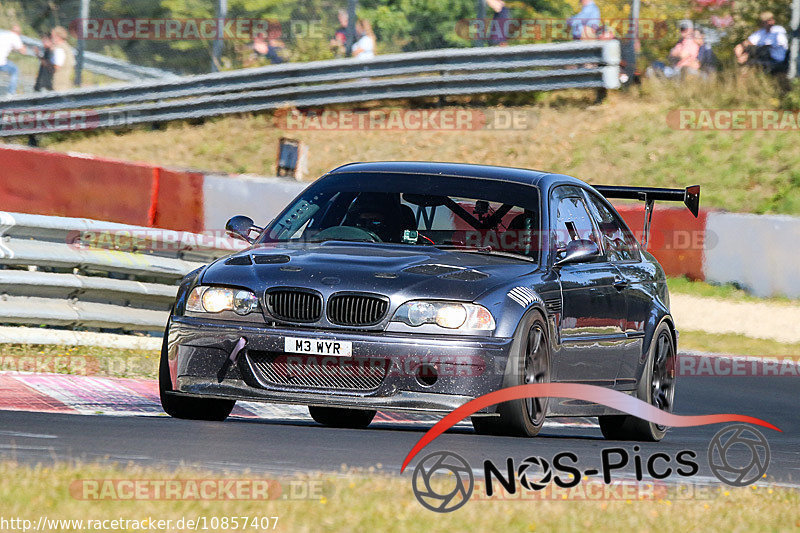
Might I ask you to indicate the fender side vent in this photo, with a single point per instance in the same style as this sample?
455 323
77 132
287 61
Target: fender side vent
553 305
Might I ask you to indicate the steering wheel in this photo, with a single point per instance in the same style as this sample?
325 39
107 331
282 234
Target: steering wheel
347 233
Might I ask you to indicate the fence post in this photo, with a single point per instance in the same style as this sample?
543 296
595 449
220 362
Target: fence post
82 28
481 15
351 27
795 44
216 52
629 51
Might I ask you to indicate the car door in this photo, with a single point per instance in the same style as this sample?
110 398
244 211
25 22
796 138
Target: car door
591 333
634 282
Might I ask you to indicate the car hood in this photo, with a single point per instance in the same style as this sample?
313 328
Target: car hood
411 271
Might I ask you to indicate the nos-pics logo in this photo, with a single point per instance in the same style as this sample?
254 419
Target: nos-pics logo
738 455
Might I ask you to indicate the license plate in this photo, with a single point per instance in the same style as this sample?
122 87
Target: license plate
317 347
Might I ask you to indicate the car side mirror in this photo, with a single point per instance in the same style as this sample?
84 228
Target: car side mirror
240 227
578 251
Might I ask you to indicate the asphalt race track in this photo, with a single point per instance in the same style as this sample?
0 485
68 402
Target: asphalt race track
286 447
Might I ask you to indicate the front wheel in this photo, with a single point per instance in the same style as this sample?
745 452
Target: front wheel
531 364
185 407
657 387
337 417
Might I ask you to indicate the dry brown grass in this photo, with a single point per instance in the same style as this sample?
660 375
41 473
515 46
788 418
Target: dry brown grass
624 140
353 502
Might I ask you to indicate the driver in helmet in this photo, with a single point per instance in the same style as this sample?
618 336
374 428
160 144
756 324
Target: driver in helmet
378 213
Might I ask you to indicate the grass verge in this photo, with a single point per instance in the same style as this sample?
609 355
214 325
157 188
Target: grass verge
726 291
380 502
733 344
79 360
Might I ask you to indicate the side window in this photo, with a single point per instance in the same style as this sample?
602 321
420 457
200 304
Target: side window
571 218
619 244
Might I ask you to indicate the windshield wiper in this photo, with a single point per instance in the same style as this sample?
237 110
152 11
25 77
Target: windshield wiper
485 251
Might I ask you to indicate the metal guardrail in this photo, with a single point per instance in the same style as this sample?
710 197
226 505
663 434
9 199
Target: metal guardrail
539 67
49 276
112 67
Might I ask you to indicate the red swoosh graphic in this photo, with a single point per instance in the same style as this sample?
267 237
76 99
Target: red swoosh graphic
590 393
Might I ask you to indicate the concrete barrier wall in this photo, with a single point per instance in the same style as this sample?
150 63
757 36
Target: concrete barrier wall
51 183
758 252
76 185
256 197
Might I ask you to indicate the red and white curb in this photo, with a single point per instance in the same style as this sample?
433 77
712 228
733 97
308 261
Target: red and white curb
92 395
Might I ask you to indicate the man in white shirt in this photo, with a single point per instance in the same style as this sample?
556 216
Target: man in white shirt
63 60
766 47
364 47
10 41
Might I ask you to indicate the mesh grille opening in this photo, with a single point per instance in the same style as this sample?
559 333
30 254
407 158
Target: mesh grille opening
317 372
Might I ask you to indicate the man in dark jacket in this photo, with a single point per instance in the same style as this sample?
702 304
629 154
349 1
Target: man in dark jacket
44 78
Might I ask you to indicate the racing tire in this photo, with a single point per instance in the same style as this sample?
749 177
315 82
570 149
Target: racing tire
184 407
531 364
657 387
337 417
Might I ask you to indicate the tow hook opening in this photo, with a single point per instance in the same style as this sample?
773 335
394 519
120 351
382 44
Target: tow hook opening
427 375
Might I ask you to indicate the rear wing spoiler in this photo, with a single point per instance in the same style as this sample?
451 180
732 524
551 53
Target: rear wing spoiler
690 196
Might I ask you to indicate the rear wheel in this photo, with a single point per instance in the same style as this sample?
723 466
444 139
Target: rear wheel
657 387
337 417
525 417
185 407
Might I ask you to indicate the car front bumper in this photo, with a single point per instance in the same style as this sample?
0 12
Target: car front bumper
465 367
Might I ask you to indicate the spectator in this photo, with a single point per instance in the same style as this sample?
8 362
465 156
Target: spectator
10 41
339 42
709 63
44 78
684 55
683 58
63 60
498 32
766 48
270 47
364 47
586 23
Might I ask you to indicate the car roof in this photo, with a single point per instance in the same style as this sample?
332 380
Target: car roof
513 175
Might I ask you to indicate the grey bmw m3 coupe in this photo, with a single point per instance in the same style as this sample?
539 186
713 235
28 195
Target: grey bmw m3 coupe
413 286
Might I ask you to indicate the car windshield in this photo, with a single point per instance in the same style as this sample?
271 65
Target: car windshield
474 215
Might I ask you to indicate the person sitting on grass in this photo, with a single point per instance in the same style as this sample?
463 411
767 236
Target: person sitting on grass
709 64
684 55
766 48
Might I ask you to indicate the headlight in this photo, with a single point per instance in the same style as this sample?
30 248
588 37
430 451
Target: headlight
218 299
450 315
